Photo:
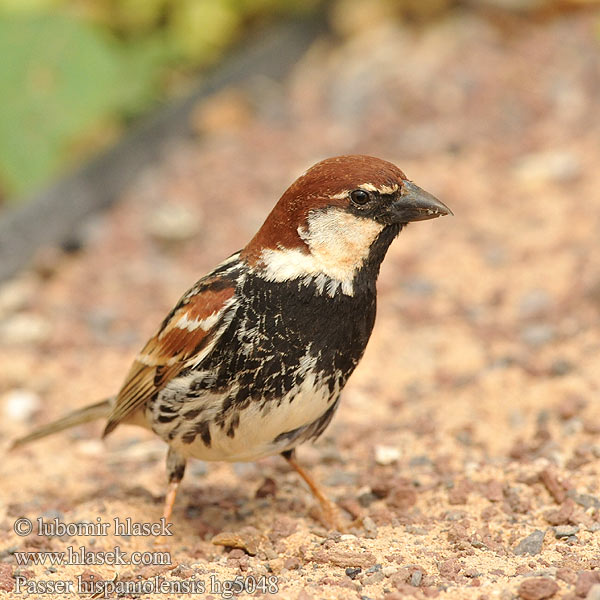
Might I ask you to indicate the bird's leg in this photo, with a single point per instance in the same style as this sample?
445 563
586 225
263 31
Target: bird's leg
175 470
331 513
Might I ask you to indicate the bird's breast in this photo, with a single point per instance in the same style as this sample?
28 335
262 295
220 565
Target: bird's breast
271 377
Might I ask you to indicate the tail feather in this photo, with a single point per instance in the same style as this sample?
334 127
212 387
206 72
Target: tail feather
86 414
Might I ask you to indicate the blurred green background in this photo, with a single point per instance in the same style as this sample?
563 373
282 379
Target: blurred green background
75 73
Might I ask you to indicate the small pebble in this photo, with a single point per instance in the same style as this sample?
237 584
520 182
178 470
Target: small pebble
338 478
546 167
16 295
172 224
90 447
367 499
454 515
23 329
198 468
420 461
416 578
374 568
20 404
534 303
386 455
538 334
373 578
561 367
415 530
565 531
267 488
585 500
586 580
418 286
594 593
537 588
532 544
572 539
370 528
292 563
246 539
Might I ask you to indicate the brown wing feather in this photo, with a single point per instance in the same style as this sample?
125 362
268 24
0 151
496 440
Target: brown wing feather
182 335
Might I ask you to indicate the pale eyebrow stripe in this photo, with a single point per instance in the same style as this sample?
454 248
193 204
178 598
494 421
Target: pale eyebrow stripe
340 195
388 189
384 190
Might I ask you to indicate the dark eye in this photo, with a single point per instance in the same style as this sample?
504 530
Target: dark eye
360 197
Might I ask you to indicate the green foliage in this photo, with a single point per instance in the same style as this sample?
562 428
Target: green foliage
202 28
60 79
73 70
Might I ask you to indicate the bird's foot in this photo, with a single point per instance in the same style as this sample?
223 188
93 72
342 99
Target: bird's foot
330 515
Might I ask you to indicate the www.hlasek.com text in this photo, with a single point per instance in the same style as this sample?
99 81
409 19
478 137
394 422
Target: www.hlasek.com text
83 556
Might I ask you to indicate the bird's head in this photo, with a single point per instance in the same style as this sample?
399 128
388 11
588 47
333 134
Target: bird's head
338 218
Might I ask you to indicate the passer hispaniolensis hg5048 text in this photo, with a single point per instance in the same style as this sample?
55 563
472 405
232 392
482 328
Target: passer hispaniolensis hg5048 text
252 359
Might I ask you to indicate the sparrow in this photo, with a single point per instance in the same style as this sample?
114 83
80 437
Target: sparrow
252 359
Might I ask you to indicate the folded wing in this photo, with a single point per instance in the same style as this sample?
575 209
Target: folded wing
183 334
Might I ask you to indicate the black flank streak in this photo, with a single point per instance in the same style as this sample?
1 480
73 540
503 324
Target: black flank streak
203 429
188 437
235 421
192 414
166 418
175 431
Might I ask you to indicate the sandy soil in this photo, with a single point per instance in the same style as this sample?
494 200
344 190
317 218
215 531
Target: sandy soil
466 447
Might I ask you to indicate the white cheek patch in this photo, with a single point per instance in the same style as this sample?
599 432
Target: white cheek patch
338 243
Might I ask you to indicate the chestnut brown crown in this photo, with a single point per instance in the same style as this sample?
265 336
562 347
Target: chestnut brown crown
364 186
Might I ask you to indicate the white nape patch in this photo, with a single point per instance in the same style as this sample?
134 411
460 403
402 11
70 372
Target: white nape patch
338 243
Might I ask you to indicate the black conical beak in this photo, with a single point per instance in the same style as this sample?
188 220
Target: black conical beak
415 204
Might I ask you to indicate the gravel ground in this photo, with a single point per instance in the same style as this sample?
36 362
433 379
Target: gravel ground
466 447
